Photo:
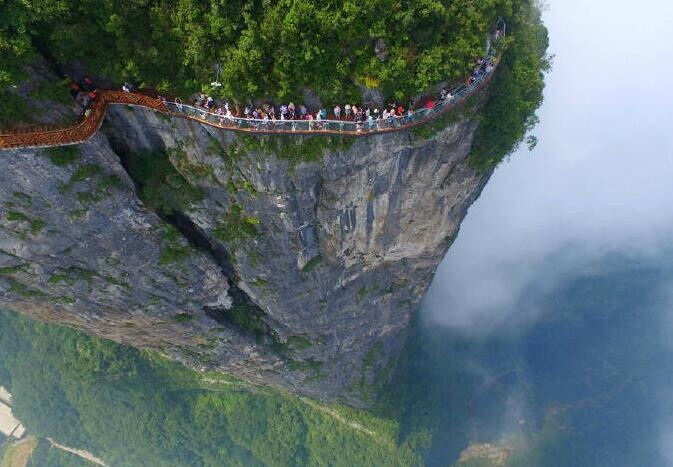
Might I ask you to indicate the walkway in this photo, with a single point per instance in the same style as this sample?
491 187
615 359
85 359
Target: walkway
88 127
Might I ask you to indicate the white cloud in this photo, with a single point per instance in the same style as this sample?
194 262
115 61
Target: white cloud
601 178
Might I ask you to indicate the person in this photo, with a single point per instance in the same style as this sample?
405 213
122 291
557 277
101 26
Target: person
347 111
430 105
400 110
210 102
337 112
246 112
74 89
323 113
178 103
302 111
87 84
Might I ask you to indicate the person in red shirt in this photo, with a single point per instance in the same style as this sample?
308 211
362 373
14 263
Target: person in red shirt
74 89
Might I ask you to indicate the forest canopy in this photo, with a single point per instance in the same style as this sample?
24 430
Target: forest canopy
266 49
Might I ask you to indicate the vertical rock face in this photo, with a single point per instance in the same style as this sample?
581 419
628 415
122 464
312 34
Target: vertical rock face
297 274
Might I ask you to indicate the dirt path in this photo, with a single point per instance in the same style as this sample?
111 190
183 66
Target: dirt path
78 452
326 410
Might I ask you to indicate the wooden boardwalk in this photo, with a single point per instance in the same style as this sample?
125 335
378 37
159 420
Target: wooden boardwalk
38 138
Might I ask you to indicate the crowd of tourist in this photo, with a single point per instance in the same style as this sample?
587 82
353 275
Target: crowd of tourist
272 113
84 92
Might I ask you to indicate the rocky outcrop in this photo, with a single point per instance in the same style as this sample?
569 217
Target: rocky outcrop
298 265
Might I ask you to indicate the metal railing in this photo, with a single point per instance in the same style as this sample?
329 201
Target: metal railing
369 126
86 128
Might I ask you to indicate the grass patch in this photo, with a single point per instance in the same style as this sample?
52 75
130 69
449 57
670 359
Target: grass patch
246 318
16 216
37 226
298 343
63 156
259 282
367 390
9 270
183 317
24 291
236 226
173 250
72 275
108 181
82 173
23 197
312 264
174 254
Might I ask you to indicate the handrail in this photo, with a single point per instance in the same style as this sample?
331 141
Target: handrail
91 123
339 127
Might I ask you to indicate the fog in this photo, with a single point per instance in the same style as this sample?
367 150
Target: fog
600 179
599 185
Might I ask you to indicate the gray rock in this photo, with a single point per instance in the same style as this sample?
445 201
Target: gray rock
344 251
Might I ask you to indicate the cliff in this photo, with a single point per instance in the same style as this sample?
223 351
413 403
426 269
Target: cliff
290 262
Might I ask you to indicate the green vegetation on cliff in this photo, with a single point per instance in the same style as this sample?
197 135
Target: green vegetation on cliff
133 408
279 49
266 49
516 89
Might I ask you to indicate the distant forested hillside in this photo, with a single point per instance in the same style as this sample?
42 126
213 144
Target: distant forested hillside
131 408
